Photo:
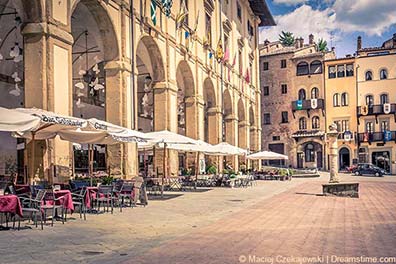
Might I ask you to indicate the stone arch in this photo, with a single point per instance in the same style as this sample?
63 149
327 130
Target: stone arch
227 103
252 123
210 109
150 71
105 25
243 125
186 101
28 10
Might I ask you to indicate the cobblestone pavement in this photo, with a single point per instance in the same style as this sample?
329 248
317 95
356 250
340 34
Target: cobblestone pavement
221 225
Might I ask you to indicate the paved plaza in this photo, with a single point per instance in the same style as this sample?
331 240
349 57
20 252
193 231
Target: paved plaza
272 222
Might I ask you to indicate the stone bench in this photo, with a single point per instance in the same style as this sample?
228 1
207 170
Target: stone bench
344 189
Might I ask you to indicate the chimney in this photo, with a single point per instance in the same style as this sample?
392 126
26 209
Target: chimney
266 42
301 42
297 43
359 43
332 49
394 40
311 39
348 56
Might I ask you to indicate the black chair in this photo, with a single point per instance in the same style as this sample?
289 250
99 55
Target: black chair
104 196
79 200
33 206
126 193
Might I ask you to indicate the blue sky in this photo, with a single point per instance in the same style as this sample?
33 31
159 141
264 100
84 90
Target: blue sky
339 22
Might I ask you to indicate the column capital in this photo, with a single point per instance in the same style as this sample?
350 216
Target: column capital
230 118
214 110
117 66
47 29
162 86
244 123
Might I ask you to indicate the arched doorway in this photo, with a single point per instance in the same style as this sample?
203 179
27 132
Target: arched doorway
12 162
227 113
186 105
209 96
311 155
344 158
150 71
242 136
95 44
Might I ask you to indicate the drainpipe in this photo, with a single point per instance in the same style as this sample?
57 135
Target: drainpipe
132 52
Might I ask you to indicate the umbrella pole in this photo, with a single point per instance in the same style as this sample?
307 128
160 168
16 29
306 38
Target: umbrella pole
196 170
90 163
163 171
33 157
144 163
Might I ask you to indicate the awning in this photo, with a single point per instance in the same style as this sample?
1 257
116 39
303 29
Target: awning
267 155
229 149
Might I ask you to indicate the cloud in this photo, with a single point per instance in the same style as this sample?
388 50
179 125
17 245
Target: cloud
370 16
289 2
303 21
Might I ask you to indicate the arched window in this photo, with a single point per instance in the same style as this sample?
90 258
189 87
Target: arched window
369 75
344 99
315 67
369 100
302 68
336 99
302 123
383 74
314 93
301 94
384 99
315 122
309 153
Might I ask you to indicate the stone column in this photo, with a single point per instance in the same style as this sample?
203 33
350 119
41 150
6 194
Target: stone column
333 155
47 61
214 117
231 137
121 158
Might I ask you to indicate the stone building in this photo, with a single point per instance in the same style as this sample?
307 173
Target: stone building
131 64
292 95
341 102
376 101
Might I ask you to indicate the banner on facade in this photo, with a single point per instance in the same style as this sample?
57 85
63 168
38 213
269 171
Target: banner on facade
364 109
387 135
348 135
314 103
299 104
387 108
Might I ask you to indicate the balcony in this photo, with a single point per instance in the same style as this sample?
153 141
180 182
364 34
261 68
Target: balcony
341 136
376 137
376 110
307 105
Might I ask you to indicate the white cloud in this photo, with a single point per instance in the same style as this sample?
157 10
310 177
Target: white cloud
370 16
289 2
303 21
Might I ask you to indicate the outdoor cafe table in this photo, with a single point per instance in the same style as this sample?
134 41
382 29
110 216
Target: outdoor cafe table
65 200
90 194
10 204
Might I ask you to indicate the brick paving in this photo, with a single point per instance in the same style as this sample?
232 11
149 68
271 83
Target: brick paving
220 225
296 223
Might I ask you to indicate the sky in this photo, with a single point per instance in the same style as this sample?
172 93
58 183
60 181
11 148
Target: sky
339 22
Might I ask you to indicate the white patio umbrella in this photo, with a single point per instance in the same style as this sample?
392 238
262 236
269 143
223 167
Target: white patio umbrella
267 155
229 149
13 121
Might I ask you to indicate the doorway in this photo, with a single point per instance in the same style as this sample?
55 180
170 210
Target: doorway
381 159
344 158
300 160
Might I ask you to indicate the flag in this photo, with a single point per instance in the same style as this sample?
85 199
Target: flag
167 5
196 24
226 56
181 16
219 51
234 60
247 75
153 11
187 40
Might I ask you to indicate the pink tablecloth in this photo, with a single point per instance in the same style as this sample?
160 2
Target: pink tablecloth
66 199
10 204
90 194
